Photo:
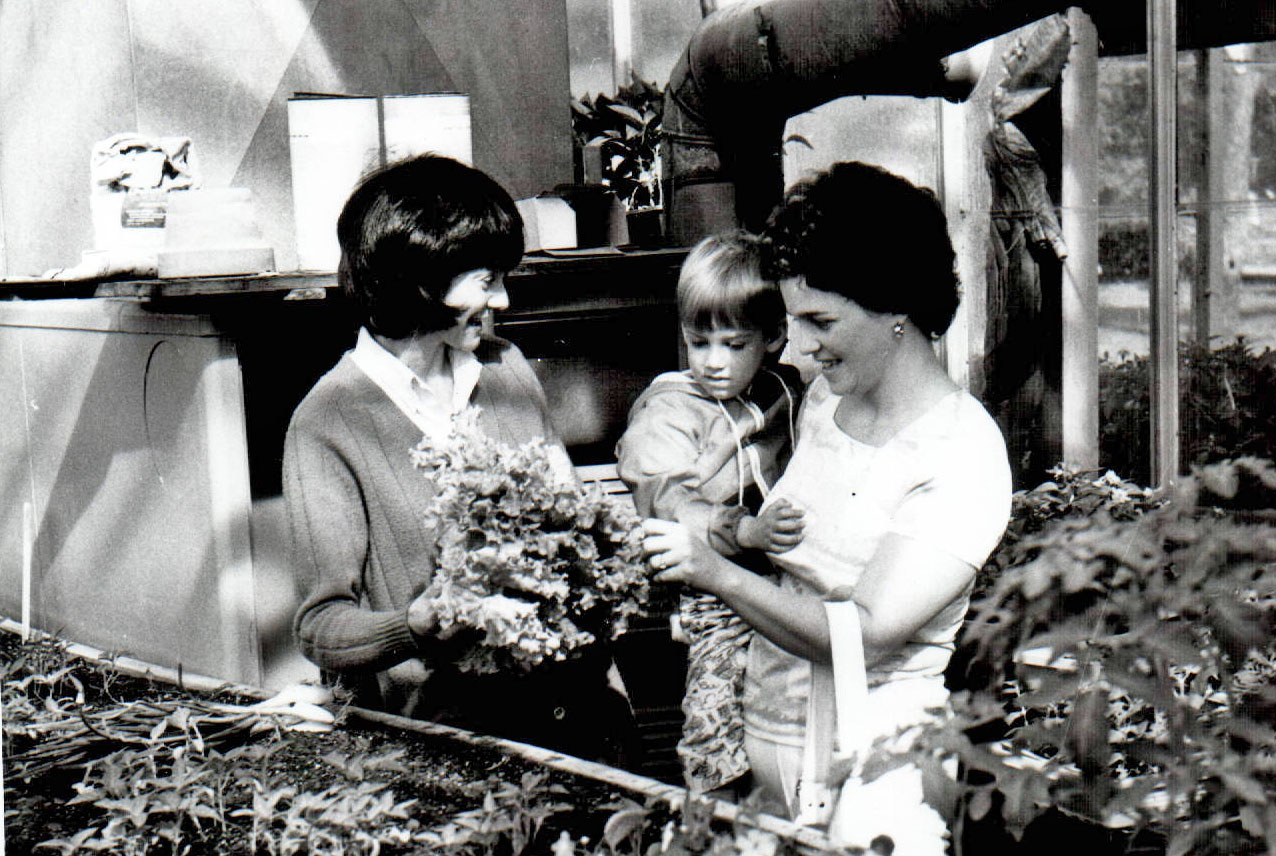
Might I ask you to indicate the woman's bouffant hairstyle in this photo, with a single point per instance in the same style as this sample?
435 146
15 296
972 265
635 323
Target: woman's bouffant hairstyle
870 236
721 285
409 228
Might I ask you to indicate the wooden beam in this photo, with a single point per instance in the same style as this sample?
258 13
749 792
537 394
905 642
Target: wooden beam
966 193
622 43
1162 204
1079 221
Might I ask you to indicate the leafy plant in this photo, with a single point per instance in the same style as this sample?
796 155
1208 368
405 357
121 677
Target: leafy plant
341 819
511 814
1225 396
630 831
1069 494
151 801
64 733
626 129
537 564
1128 641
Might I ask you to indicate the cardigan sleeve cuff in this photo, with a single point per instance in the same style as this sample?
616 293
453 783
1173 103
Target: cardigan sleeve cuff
398 636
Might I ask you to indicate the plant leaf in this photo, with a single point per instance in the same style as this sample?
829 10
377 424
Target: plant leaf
621 824
631 116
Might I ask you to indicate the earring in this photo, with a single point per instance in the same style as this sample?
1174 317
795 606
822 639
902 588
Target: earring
898 329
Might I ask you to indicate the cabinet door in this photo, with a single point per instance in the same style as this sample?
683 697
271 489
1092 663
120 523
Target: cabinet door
124 449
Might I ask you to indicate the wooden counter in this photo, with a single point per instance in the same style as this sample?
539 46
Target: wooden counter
145 436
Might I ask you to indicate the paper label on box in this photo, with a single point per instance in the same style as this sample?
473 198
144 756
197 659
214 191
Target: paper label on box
142 213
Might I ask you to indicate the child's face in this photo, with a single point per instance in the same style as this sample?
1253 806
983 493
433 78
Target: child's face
725 359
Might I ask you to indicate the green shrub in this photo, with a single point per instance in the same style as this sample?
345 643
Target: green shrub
1125 643
1225 409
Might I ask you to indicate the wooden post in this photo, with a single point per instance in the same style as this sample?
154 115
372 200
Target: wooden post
1162 60
622 43
966 193
954 347
1079 221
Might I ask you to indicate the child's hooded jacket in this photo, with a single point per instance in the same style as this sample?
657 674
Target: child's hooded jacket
684 453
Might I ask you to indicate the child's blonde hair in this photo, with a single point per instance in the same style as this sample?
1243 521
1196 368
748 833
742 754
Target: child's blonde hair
721 285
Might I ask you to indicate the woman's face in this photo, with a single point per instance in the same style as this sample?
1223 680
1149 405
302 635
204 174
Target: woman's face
473 295
850 344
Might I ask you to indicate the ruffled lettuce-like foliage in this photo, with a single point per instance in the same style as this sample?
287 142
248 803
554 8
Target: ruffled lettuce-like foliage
539 565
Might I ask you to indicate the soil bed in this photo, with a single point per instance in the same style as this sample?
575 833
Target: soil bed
429 780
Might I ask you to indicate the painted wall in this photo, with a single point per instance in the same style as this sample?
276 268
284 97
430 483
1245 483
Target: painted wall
73 72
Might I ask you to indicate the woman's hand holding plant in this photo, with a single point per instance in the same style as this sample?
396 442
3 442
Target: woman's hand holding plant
677 556
423 619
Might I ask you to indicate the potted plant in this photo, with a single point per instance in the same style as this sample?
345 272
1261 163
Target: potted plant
618 137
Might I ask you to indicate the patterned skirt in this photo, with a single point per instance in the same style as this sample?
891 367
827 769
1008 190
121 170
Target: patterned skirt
712 744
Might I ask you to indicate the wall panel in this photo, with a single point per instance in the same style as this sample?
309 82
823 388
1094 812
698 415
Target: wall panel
220 71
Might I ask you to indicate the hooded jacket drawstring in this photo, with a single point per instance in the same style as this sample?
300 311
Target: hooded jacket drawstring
759 422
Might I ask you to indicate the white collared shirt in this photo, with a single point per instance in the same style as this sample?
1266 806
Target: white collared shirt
416 398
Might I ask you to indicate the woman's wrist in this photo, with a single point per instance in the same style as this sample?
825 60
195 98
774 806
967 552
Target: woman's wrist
717 575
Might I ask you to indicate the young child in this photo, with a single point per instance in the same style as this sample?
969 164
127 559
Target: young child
703 446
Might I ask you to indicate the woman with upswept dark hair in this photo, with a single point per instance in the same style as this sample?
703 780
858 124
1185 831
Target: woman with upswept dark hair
904 485
425 247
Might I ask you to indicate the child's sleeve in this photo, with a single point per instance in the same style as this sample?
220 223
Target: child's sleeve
657 457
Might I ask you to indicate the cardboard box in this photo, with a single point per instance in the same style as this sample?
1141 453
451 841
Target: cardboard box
549 223
213 233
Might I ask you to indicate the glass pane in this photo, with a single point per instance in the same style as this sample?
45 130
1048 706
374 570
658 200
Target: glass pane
661 30
1228 262
1226 256
1125 257
589 47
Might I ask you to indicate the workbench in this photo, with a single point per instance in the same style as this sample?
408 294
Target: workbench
143 427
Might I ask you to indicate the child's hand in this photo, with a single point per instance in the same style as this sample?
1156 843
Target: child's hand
777 529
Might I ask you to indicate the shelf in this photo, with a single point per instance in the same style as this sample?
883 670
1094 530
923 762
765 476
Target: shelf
575 280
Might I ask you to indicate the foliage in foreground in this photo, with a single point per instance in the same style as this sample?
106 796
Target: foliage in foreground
157 777
1120 648
1119 667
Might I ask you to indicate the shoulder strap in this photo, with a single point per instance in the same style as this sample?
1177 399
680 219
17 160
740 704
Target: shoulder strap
835 714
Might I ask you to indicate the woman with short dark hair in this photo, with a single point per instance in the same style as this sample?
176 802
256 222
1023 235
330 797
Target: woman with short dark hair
425 247
904 484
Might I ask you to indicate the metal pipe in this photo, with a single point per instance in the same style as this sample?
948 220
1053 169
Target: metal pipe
1209 283
1080 224
752 65
1163 332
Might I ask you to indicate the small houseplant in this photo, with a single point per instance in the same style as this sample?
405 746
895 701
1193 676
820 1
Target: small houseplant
624 131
